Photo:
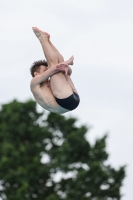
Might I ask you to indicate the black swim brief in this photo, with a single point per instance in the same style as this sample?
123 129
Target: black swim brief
69 103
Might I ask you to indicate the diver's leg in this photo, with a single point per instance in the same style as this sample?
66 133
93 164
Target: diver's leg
69 80
60 57
49 53
59 85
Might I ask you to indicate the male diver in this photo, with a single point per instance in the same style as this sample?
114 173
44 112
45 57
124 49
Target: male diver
51 85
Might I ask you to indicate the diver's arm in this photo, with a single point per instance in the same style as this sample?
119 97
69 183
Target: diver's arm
43 77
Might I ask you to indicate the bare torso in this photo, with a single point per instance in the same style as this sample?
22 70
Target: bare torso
44 97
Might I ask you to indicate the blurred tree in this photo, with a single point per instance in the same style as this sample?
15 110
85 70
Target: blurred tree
25 137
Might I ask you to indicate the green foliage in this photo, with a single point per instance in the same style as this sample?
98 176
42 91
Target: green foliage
25 137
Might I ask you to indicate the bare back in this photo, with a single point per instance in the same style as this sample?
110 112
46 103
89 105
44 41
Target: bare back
44 97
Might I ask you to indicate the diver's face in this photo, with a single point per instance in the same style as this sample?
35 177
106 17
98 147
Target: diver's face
42 69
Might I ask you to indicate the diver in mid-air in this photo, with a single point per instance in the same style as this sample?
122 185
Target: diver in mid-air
51 85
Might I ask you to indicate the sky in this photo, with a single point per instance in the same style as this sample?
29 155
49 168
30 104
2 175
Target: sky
99 34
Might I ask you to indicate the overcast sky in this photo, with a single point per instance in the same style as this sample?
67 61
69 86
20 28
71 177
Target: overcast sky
99 33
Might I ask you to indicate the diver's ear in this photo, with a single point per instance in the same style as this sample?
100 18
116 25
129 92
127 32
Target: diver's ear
35 73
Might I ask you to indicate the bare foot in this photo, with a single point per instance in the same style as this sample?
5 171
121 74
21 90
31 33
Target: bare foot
71 61
40 33
68 62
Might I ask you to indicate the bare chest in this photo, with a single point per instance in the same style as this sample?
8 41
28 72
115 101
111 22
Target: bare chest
44 97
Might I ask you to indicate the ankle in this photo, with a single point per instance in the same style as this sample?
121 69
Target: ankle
42 38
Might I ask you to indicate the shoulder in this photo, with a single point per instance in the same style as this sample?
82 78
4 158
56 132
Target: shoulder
35 81
32 81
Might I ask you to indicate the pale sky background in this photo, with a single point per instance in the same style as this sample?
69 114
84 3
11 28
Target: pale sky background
99 33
